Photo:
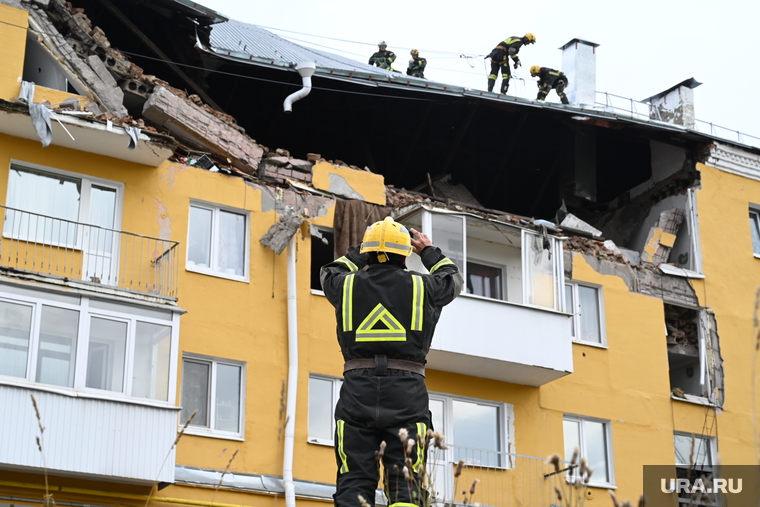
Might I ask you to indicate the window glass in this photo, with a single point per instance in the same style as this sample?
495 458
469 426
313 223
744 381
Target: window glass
570 307
231 243
592 438
484 280
152 361
217 241
106 354
596 449
56 355
227 398
195 391
448 236
539 271
199 244
588 300
321 409
692 450
476 433
754 226
15 327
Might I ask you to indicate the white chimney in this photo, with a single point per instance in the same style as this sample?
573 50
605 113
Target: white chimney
675 105
579 65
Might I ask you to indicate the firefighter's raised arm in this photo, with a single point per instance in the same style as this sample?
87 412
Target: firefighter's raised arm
447 279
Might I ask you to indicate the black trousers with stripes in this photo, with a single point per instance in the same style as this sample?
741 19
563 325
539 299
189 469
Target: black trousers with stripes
373 409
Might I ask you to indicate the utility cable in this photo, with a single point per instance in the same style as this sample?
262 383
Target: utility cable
220 72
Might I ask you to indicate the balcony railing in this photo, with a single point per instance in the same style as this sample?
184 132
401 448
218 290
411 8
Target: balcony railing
505 479
64 249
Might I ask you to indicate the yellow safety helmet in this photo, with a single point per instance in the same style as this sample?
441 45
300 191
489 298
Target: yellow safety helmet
531 37
535 70
414 52
387 236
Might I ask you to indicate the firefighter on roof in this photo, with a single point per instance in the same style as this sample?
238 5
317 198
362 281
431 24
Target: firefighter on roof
416 65
386 316
508 48
383 58
549 79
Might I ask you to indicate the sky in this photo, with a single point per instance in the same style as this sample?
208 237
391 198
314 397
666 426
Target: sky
645 47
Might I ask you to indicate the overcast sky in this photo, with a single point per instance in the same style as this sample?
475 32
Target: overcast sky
645 46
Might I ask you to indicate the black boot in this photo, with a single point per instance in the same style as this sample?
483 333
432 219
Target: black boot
504 86
491 82
564 100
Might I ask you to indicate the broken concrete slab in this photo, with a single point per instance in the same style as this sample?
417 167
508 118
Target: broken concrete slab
197 126
662 237
278 236
97 65
576 223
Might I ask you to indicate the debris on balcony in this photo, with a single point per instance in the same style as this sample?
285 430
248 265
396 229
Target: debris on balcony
681 325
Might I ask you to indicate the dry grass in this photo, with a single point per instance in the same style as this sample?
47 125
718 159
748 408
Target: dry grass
47 500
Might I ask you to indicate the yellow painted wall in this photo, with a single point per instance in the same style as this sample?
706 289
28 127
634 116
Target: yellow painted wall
369 186
13 42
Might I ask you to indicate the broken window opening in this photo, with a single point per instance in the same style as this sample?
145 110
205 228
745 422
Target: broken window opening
691 354
322 252
41 68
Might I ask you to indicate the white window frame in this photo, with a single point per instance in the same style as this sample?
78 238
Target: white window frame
214 253
711 447
210 431
84 205
505 429
86 313
501 267
576 312
754 216
594 482
337 382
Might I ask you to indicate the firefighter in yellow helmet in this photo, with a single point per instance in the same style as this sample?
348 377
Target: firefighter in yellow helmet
386 316
416 65
508 48
383 58
548 80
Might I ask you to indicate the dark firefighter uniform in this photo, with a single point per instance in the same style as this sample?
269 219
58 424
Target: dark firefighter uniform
416 67
383 59
549 79
386 316
500 58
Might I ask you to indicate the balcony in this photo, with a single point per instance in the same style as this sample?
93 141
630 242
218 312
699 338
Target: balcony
88 436
74 251
505 479
509 324
502 341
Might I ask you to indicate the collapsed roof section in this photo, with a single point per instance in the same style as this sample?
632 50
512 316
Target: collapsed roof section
582 169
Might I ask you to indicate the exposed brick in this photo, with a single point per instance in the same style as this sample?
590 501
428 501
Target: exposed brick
200 127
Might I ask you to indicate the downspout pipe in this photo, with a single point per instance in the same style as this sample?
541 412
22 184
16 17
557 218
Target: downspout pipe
290 408
306 70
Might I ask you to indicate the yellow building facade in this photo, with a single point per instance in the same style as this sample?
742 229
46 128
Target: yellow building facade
136 289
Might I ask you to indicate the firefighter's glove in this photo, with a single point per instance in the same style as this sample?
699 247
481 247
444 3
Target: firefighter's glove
517 63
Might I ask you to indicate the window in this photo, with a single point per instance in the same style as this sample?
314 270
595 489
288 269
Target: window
87 344
498 260
49 207
217 241
214 387
694 361
754 227
475 430
592 437
693 460
585 303
322 252
323 396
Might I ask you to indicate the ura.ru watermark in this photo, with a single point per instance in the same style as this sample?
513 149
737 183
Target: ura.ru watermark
687 486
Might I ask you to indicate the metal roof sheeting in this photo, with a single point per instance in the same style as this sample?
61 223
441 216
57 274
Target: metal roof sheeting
246 43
